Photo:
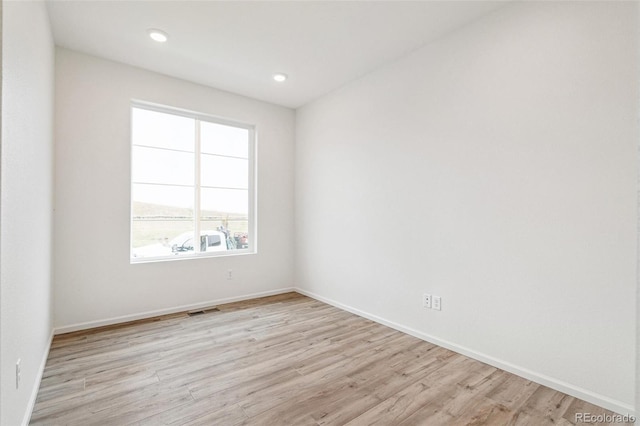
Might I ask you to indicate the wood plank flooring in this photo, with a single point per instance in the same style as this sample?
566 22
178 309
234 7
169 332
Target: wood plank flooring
281 360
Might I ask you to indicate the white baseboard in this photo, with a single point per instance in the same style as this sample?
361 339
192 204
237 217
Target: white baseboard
569 389
166 311
36 384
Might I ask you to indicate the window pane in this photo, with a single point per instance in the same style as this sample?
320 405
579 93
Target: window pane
236 226
224 140
162 220
151 165
176 199
162 130
224 172
223 202
226 210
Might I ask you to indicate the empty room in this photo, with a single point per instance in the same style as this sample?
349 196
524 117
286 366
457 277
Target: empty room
319 212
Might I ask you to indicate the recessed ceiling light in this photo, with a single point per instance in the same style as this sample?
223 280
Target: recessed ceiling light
158 35
279 77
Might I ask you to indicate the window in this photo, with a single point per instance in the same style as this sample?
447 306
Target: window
191 175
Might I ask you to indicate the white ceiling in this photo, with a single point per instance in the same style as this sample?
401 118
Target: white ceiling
237 46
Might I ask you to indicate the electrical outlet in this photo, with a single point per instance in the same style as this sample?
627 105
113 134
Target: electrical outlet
437 303
18 373
426 301
230 274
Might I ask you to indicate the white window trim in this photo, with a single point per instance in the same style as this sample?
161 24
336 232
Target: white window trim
252 190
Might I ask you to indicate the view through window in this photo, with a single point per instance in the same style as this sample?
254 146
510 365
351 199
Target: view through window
190 175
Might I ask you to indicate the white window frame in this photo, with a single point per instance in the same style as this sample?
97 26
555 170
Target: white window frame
252 192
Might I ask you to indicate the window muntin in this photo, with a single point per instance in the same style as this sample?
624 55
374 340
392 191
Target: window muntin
190 174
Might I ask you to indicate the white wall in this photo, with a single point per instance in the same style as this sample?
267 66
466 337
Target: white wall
94 281
26 203
495 168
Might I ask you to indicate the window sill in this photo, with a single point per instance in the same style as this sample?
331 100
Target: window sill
173 258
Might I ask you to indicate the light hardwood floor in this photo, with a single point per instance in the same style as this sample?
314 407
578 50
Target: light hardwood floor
281 360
